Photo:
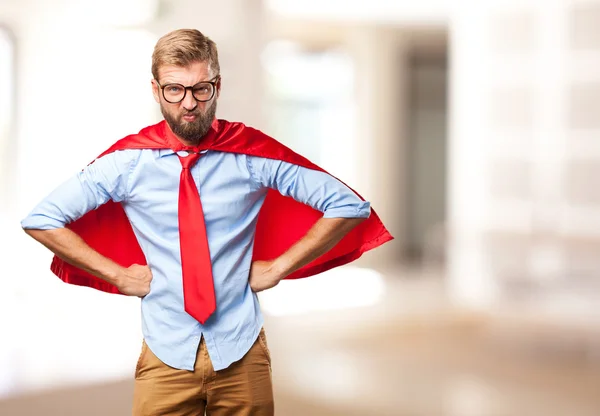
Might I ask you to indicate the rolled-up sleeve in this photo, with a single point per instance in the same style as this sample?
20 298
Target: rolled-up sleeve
317 189
103 180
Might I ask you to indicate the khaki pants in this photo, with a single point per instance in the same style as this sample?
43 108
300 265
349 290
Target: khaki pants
242 389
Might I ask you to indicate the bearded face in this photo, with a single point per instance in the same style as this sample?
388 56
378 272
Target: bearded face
189 111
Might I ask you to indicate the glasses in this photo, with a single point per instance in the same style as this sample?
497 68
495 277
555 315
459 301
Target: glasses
202 91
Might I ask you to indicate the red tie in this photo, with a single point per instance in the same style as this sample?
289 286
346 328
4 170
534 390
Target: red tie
198 287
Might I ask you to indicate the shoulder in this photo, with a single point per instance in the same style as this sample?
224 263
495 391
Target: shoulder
123 154
123 158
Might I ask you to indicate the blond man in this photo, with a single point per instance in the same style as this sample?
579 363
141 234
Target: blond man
171 215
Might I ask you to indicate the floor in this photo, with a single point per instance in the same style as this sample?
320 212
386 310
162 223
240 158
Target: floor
412 353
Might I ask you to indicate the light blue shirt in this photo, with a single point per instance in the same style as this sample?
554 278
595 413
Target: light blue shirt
232 188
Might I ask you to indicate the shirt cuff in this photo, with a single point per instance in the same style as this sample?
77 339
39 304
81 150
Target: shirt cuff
40 222
363 210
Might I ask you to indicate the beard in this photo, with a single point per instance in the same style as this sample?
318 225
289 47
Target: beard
191 132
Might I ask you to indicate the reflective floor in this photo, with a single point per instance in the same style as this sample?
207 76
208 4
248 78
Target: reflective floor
409 354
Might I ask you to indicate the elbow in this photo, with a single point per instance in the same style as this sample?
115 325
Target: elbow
35 233
351 223
32 232
357 221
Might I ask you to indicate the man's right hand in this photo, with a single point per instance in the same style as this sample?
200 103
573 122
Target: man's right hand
135 281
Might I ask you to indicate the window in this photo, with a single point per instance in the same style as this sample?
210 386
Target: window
311 101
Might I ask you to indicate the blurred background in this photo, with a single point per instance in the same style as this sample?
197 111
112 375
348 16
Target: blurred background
472 127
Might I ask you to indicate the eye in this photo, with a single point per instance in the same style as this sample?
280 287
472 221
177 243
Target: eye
174 89
203 89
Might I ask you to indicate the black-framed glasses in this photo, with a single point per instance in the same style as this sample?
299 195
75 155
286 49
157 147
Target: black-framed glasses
202 91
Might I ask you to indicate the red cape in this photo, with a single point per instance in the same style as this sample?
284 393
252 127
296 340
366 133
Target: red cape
282 221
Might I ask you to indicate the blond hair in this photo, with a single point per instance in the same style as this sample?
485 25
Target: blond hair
183 47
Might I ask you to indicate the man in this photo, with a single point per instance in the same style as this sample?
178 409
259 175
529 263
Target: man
192 188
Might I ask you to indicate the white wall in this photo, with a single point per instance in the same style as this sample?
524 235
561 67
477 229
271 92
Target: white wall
83 83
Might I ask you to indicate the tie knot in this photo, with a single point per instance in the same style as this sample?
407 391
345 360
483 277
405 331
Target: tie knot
189 160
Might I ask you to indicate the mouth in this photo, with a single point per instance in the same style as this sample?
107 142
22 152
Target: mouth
189 117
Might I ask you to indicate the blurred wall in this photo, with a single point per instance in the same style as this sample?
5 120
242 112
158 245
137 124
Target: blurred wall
523 156
382 100
524 218
376 167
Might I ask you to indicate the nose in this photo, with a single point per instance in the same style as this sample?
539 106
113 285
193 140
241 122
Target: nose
189 102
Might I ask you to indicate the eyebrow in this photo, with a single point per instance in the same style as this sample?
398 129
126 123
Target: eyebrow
213 79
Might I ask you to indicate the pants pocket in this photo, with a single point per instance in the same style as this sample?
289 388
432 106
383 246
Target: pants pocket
140 361
262 340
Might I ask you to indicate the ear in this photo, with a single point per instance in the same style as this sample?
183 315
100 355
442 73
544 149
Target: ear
219 87
155 91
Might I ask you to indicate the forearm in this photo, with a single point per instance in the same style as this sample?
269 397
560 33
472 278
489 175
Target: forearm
71 248
321 238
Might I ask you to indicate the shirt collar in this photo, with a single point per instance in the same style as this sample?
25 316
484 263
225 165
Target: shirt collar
167 152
